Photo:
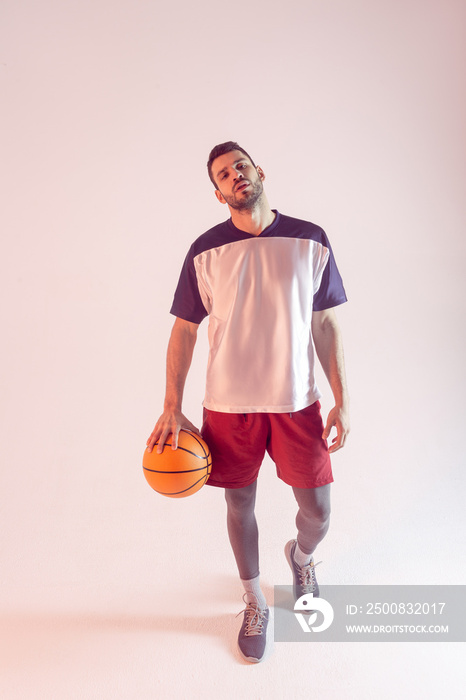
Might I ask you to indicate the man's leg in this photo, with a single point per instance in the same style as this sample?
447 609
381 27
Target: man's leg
242 529
312 519
312 522
244 539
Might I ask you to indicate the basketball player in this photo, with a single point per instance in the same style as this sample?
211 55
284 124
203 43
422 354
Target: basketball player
269 284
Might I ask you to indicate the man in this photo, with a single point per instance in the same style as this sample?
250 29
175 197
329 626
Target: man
269 284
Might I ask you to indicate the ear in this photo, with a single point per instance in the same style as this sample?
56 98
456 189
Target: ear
220 197
261 173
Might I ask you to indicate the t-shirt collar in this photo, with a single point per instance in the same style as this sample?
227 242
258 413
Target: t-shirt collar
269 229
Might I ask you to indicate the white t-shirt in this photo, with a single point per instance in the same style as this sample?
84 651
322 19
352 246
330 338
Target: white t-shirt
259 293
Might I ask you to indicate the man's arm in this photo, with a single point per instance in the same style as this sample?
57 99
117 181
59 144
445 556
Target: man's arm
179 355
329 347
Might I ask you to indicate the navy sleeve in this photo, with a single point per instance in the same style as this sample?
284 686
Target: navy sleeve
187 302
331 291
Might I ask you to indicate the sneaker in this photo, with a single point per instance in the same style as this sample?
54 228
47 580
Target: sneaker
253 633
304 578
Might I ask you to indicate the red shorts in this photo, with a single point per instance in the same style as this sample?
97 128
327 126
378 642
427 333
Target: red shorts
238 442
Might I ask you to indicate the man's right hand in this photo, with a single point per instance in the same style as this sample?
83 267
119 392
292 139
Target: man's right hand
170 422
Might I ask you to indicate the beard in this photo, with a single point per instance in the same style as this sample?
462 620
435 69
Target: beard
246 201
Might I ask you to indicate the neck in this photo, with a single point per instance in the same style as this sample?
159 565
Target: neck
253 220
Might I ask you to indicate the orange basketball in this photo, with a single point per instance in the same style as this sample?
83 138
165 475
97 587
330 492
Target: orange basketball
181 472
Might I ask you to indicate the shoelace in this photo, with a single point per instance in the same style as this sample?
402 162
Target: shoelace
307 577
255 618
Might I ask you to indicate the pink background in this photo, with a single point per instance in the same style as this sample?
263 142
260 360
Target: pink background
356 113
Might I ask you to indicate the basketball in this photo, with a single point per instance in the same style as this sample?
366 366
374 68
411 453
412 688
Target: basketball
181 472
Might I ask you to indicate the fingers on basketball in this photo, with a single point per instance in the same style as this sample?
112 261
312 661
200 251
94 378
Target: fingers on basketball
181 472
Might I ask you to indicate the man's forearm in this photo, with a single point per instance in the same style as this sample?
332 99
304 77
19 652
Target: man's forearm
329 347
179 357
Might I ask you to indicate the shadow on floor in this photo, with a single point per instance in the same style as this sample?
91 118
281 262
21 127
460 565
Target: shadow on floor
34 637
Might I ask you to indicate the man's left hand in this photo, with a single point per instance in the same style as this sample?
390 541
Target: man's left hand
338 418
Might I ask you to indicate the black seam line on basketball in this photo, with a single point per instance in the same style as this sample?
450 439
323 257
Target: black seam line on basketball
181 471
168 444
201 445
175 493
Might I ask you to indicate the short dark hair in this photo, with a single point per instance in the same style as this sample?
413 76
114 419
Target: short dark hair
220 150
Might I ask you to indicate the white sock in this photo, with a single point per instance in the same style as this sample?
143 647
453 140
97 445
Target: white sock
300 557
253 592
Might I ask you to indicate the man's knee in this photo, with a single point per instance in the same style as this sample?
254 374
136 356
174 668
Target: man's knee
241 500
321 512
314 504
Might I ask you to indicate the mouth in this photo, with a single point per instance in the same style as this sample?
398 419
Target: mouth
241 186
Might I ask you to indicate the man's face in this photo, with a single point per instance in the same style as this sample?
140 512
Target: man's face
239 183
